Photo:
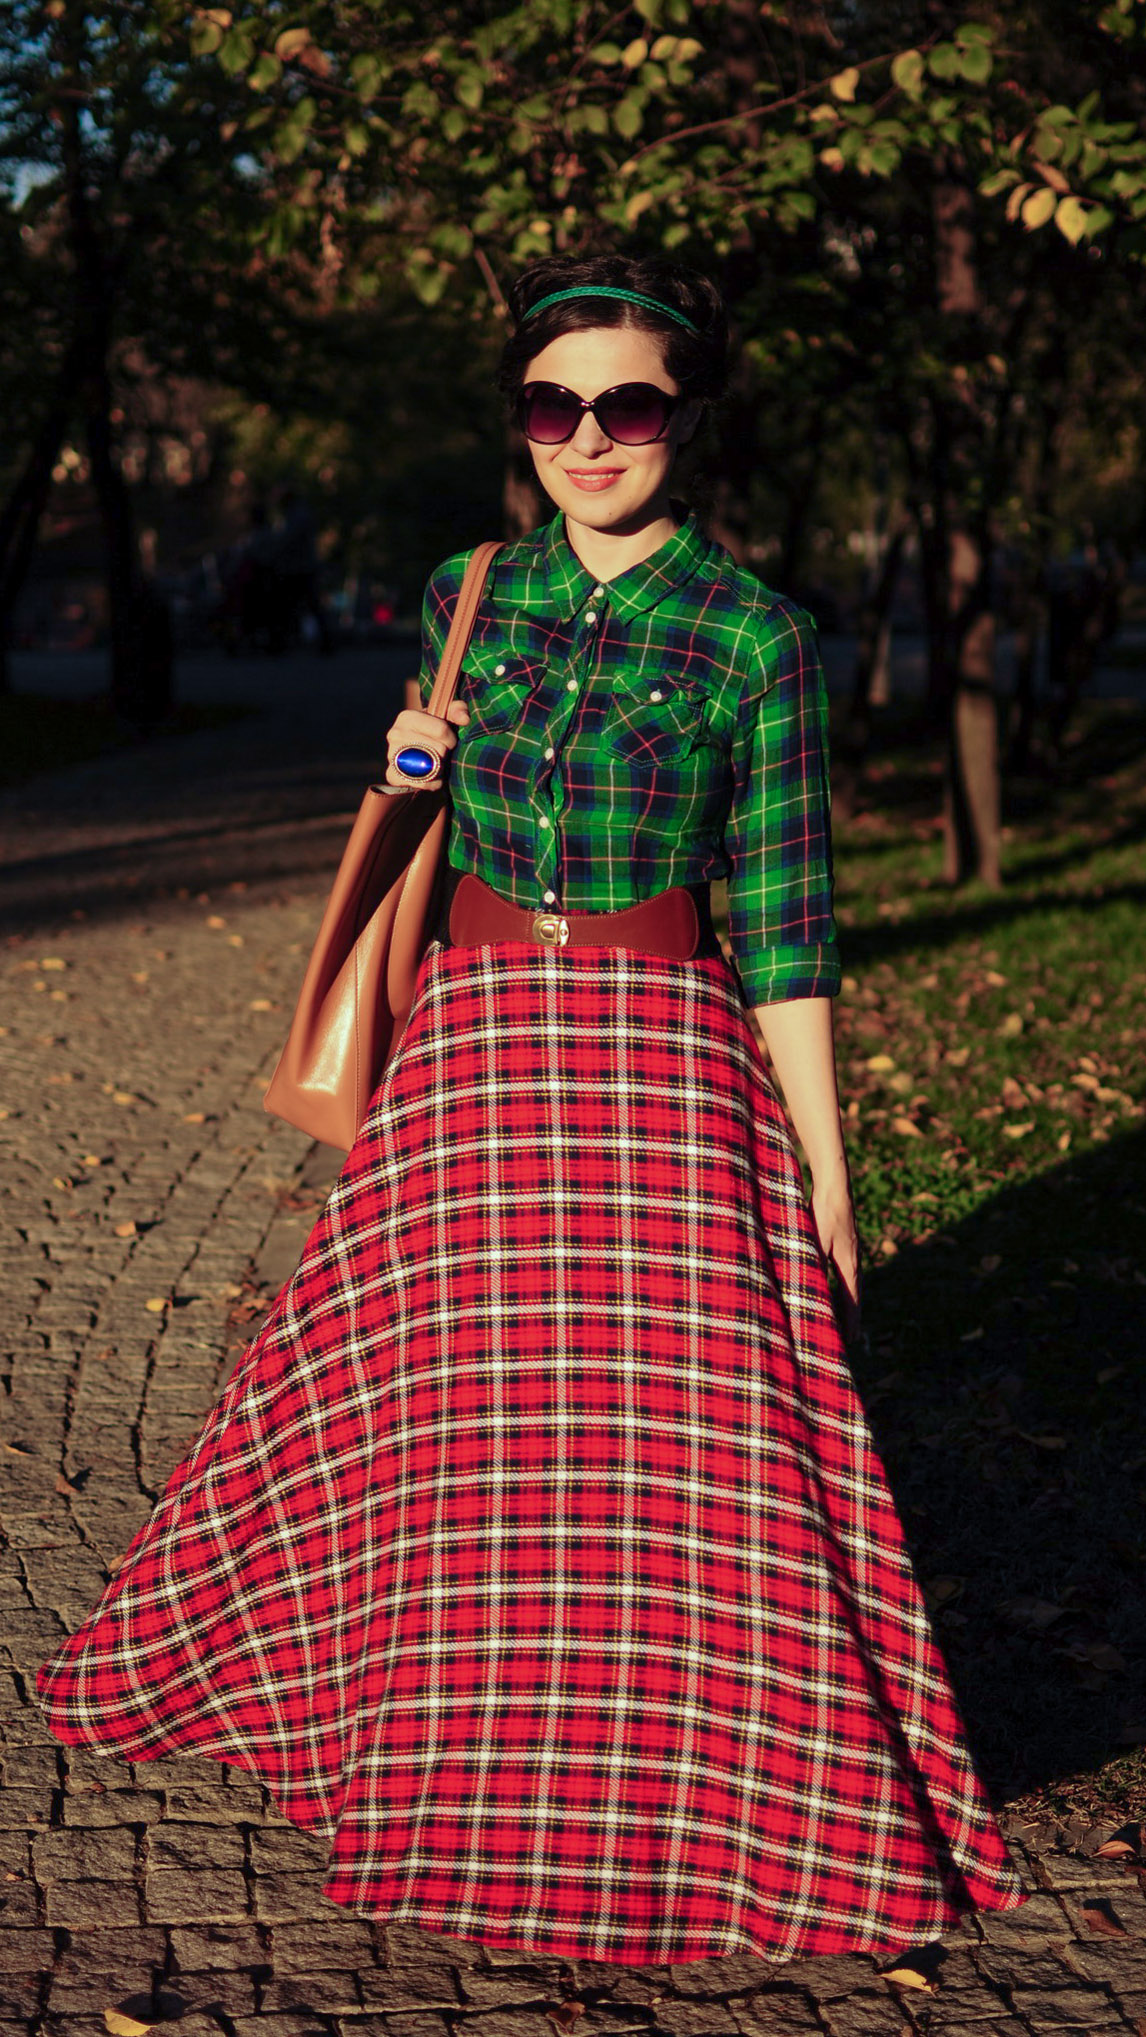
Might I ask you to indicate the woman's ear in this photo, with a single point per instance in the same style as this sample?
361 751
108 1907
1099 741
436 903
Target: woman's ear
688 417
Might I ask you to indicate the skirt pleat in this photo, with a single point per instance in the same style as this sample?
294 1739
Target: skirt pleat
537 1552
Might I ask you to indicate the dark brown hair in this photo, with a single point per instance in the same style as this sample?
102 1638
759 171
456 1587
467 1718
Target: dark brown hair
698 362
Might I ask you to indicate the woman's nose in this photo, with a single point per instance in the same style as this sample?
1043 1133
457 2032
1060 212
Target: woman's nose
588 437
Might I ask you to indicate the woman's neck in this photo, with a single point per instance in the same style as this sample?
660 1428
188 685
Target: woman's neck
607 553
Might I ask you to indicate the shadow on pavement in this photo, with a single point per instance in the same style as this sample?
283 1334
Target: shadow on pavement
1004 1381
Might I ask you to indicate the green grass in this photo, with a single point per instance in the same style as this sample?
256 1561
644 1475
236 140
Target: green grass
39 734
992 1051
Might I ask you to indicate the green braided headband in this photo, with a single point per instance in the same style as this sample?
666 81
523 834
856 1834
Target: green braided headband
608 290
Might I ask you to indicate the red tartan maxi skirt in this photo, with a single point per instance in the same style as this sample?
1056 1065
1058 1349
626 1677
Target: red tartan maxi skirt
537 1553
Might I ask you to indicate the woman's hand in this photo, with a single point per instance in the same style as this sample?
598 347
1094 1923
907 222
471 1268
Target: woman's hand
428 732
833 1217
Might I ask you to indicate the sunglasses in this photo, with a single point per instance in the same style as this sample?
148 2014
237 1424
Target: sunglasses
632 414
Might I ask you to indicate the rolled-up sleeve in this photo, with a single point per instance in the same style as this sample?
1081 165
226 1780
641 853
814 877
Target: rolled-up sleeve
778 835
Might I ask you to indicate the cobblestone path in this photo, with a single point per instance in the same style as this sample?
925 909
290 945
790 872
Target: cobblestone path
157 909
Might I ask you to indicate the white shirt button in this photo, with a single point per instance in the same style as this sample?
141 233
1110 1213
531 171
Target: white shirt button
590 617
543 821
656 694
570 686
550 751
498 670
550 897
597 593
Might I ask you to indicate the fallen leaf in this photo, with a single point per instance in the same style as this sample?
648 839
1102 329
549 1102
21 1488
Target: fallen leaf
880 1064
1018 1131
122 1096
52 962
125 2026
195 1117
971 1336
1013 1093
906 1128
234 940
1112 1848
215 921
126 1229
1063 1141
993 977
1035 1614
62 1485
156 1305
1012 1025
958 1057
261 1004
908 1976
1100 1917
1043 1442
92 1160
943 1591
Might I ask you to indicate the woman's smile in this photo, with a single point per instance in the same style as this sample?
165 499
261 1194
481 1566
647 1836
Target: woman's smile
594 479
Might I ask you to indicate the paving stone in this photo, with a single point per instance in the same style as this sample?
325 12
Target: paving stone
412 1987
192 1847
217 1946
280 1897
407 1944
723 1976
19 1905
1065 1871
1068 2008
90 1807
863 2015
231 1993
500 2025
1042 1918
283 2026
1113 1962
398 2026
300 1947
330 1994
693 2018
774 2015
278 1849
82 1855
507 1991
26 1950
21 1994
111 1951
211 1895
210 1803
1007 1966
91 1902
826 1979
20 1808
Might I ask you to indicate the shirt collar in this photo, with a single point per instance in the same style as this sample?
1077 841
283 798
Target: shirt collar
567 584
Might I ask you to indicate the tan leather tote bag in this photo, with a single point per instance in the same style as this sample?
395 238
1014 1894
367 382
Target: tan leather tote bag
359 983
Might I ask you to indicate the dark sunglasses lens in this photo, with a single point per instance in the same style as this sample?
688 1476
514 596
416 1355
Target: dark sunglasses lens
635 414
549 413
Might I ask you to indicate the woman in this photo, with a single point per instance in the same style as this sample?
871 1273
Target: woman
537 1552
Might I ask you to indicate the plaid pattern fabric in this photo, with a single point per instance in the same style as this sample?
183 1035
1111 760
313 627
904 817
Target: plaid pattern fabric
666 727
536 1552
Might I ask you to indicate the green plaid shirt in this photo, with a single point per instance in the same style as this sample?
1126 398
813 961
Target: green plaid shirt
666 727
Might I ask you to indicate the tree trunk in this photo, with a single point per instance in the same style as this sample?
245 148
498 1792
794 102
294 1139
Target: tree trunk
121 556
520 496
872 653
20 520
971 794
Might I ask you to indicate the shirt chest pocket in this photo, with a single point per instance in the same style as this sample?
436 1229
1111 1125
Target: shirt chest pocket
653 722
496 689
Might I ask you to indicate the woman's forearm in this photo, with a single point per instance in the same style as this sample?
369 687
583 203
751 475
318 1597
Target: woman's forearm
798 1036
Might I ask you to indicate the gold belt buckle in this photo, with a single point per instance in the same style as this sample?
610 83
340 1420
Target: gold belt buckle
552 928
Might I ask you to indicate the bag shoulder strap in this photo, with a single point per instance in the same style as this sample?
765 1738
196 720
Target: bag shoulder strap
461 625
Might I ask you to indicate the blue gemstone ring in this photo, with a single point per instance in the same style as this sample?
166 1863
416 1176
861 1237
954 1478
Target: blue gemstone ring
414 762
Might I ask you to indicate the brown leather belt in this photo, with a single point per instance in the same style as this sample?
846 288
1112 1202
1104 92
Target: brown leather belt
675 924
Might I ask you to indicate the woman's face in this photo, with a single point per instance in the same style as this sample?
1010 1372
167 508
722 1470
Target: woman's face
601 484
